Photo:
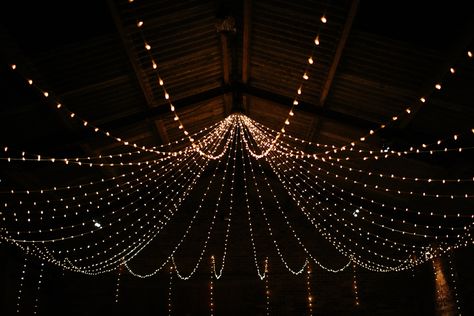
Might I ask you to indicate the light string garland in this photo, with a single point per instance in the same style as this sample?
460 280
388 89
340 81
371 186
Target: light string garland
309 295
452 274
267 288
211 287
117 285
170 292
38 289
20 286
355 286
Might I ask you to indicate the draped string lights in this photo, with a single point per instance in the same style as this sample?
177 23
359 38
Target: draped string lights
309 294
38 289
117 285
267 288
211 287
454 285
20 286
103 224
355 287
170 292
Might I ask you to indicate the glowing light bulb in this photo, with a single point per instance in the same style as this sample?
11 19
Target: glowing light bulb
452 70
287 122
362 139
180 126
438 86
305 76
72 115
172 107
85 123
316 41
167 96
176 118
423 100
469 54
324 19
140 23
299 90
160 81
30 81
291 113
147 46
59 105
295 102
310 60
395 118
408 110
154 65
13 66
46 94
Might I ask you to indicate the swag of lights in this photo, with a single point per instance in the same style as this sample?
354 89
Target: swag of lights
103 225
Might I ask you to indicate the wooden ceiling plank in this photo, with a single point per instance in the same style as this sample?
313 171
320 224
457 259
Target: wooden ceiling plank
139 72
339 50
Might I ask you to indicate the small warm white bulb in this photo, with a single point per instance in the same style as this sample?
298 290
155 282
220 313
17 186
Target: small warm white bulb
310 60
323 19
422 99
469 54
408 110
147 46
452 70
316 40
172 107
167 96
13 66
287 122
30 81
46 94
160 82
140 23
305 76
438 86
299 90
59 105
295 102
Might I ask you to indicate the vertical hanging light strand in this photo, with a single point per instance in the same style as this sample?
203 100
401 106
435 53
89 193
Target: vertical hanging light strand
355 287
267 290
211 288
20 288
117 286
38 289
453 282
308 290
170 292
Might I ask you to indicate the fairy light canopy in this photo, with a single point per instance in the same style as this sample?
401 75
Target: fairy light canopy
324 127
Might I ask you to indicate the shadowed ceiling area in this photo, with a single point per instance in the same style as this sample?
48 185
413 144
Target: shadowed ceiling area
349 124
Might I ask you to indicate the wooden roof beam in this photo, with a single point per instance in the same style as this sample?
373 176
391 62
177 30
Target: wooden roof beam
160 133
337 56
246 49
